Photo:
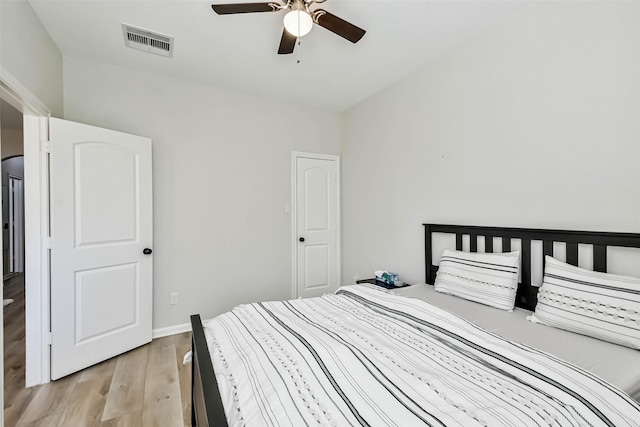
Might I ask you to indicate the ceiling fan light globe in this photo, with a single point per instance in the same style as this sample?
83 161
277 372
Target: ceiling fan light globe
298 23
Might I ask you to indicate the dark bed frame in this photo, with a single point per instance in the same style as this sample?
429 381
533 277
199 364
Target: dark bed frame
527 295
207 408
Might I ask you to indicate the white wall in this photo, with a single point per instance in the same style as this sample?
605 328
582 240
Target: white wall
221 178
12 142
29 54
535 123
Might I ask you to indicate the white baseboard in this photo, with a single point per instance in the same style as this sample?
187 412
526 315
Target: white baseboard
171 330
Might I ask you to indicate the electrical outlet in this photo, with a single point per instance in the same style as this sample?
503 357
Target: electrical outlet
174 298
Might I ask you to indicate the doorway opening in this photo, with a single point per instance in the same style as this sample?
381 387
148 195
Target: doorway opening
24 127
13 244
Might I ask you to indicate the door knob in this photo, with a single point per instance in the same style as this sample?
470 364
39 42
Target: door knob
301 239
147 251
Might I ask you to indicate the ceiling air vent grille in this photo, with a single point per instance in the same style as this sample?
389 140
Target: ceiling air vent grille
148 41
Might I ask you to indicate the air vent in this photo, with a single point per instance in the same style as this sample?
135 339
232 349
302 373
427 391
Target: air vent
148 41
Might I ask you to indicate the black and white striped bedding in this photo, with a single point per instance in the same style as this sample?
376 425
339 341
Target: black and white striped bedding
487 278
368 357
600 305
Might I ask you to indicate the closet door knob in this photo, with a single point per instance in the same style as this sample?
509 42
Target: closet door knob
147 251
301 239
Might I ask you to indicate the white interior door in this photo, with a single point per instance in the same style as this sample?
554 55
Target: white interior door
101 222
317 216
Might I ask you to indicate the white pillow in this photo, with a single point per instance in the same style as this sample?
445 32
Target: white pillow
600 305
487 278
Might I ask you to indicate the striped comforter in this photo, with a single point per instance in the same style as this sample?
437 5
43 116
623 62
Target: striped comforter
367 357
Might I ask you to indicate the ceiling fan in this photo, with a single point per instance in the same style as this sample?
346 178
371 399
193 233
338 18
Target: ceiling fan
298 21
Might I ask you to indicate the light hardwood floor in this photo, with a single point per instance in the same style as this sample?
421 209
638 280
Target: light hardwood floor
148 386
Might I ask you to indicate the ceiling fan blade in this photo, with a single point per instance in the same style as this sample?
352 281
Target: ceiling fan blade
287 43
228 9
339 26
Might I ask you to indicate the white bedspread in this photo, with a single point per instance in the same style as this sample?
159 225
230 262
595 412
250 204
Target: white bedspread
372 358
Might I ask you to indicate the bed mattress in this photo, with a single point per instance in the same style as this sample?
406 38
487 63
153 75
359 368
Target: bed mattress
616 364
365 356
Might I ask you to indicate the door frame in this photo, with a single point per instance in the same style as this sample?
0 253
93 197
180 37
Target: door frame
16 258
295 155
36 223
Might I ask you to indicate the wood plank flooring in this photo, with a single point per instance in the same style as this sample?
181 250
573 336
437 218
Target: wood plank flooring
146 387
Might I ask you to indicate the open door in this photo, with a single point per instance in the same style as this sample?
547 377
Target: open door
101 240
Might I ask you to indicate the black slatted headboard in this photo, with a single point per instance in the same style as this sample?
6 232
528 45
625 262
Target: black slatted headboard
527 294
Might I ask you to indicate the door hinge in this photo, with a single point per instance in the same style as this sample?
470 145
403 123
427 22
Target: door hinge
48 338
45 146
46 242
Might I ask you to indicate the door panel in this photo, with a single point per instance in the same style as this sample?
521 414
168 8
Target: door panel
316 213
98 291
317 266
101 220
317 223
106 175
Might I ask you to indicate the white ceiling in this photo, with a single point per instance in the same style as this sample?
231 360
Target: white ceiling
239 51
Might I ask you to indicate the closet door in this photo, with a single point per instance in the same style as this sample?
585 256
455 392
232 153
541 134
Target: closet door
317 217
101 240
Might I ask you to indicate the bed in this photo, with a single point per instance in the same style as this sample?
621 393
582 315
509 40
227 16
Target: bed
448 334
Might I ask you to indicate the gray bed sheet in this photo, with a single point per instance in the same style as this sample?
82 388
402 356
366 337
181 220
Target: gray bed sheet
616 364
